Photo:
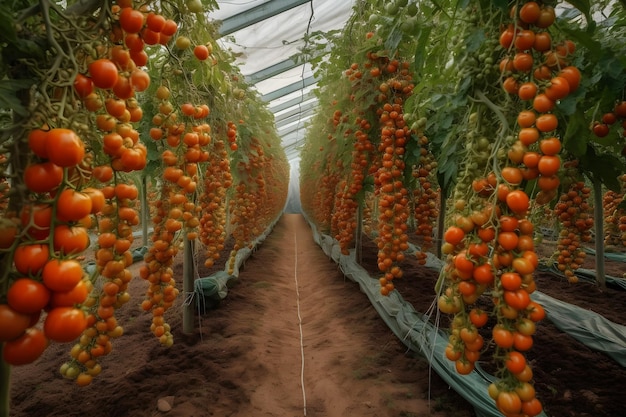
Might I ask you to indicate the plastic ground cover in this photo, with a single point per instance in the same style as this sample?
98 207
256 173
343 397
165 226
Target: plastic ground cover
414 329
418 334
614 256
587 275
208 291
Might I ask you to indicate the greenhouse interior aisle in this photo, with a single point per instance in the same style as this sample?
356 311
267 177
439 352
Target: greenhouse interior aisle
352 364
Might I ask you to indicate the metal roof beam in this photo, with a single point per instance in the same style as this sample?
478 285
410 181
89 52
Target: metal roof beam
272 71
295 111
295 118
295 127
257 14
288 89
293 102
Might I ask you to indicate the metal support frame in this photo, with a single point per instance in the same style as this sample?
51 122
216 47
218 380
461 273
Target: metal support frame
299 85
257 14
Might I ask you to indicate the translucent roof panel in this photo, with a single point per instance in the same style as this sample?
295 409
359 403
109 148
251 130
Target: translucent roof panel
266 35
284 79
279 37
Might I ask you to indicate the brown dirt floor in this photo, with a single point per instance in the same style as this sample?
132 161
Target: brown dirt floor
244 357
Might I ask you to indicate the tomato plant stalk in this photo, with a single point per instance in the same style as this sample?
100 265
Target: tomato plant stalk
598 220
188 285
5 385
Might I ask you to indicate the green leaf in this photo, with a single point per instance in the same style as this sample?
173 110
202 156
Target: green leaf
603 167
574 140
423 36
8 95
7 24
474 40
394 38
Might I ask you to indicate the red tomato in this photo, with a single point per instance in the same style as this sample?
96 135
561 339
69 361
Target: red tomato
155 22
518 201
502 336
65 148
483 274
522 342
140 80
511 281
25 349
37 139
72 205
536 311
64 324
62 274
103 73
71 298
572 75
131 20
532 407
201 52
70 239
30 258
515 362
43 177
83 85
518 299
97 199
28 296
12 323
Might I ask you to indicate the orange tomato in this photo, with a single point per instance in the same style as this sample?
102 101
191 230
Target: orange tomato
64 324
13 324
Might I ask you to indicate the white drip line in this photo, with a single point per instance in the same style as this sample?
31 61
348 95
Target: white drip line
295 275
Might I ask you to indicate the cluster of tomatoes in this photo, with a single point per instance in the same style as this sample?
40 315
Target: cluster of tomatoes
426 196
113 257
615 216
252 208
49 233
615 117
537 72
162 291
491 247
576 216
217 180
137 28
346 203
184 139
389 188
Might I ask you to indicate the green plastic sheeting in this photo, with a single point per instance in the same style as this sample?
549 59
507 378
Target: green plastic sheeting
614 256
209 291
589 328
414 330
588 275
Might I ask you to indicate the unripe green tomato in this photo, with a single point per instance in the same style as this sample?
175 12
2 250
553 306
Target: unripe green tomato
373 19
183 42
195 6
392 8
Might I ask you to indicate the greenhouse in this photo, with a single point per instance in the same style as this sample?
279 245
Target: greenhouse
312 207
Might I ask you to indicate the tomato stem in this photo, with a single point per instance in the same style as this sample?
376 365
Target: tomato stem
598 220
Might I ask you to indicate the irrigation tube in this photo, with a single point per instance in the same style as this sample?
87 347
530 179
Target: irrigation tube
295 276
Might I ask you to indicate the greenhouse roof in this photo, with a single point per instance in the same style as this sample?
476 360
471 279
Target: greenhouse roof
266 35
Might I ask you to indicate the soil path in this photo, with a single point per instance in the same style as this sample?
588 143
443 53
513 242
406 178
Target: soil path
345 368
293 336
